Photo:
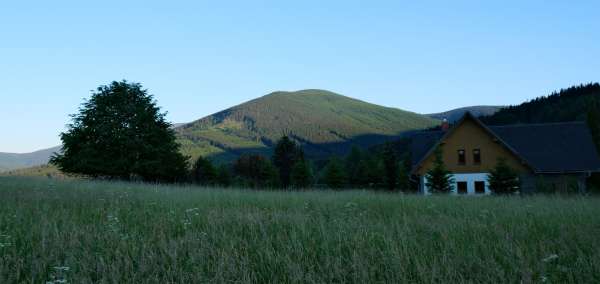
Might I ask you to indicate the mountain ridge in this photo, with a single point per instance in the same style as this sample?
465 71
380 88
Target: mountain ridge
11 161
455 114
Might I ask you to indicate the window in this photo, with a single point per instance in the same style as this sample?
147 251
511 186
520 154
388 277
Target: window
461 157
461 187
476 156
479 187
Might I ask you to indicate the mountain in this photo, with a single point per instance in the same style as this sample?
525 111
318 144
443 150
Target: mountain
10 161
569 104
456 114
323 122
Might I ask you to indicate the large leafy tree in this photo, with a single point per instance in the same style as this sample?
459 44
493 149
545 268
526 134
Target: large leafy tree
503 179
120 133
439 179
286 154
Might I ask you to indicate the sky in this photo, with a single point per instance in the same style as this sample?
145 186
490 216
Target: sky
200 57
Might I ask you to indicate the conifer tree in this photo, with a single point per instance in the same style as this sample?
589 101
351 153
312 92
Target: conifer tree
257 171
224 176
439 179
301 175
391 166
285 155
335 177
593 121
353 167
403 177
503 179
203 172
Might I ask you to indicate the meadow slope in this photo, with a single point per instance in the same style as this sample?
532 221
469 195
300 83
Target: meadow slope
83 232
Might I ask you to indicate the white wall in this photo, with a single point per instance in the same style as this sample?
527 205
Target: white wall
470 179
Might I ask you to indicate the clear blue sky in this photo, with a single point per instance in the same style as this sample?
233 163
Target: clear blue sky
198 57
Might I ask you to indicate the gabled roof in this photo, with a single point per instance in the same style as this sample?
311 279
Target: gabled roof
545 148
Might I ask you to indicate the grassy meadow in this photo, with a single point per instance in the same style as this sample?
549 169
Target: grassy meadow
70 231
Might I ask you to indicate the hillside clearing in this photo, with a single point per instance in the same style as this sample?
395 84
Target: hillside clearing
83 232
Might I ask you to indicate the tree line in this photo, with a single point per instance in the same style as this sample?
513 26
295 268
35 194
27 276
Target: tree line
120 133
289 168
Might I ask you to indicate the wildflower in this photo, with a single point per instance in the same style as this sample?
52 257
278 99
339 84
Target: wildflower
61 268
550 258
350 205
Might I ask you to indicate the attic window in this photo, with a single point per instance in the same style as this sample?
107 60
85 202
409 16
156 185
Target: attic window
476 156
461 157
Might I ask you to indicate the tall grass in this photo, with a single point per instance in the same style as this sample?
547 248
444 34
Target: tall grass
83 232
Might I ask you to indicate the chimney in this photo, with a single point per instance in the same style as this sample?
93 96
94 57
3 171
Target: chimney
445 125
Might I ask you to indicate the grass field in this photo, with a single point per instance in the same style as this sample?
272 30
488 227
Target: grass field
82 232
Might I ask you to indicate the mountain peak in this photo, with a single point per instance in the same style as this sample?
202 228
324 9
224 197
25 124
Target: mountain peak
322 121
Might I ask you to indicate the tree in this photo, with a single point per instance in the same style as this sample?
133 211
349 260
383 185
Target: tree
503 179
301 174
203 172
439 179
256 170
391 166
593 121
404 177
120 133
371 169
353 167
285 155
223 176
334 177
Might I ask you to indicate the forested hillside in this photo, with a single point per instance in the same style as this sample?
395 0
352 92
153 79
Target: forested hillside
571 104
323 122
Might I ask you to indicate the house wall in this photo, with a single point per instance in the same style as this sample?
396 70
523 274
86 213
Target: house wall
553 183
469 136
470 179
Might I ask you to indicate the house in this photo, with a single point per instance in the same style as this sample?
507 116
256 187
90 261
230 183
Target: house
559 156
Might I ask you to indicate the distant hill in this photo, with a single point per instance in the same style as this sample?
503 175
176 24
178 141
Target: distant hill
10 161
323 122
569 104
456 114
37 171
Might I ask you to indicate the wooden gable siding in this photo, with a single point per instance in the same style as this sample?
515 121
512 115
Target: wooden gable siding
469 135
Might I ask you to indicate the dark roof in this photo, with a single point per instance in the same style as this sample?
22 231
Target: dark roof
547 148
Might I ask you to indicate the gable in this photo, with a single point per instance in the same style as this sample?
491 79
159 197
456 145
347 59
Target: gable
469 135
